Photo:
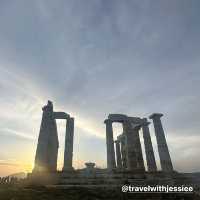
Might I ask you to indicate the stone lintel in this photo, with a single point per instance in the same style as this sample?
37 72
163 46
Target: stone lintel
61 115
117 117
135 120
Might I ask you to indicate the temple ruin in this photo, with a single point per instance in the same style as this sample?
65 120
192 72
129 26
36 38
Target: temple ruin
124 155
47 148
128 147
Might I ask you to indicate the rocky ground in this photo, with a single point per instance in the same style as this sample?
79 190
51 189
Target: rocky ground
10 192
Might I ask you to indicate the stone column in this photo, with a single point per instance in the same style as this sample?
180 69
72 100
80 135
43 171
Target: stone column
130 143
151 162
165 160
138 147
47 148
118 154
121 138
110 145
68 154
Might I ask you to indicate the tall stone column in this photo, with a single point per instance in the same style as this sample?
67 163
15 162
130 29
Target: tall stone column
165 160
68 154
122 140
118 154
130 143
47 148
138 148
110 145
151 162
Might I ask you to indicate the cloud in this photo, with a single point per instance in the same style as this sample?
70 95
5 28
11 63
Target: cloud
8 164
17 133
97 58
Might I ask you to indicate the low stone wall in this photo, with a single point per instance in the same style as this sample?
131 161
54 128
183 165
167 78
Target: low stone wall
102 177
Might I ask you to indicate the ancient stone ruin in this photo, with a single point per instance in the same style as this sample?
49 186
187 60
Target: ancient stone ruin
128 146
47 148
126 164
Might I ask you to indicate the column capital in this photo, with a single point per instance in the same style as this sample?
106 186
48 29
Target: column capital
155 115
145 122
107 121
136 126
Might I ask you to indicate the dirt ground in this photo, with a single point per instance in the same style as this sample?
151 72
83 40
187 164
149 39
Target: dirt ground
10 192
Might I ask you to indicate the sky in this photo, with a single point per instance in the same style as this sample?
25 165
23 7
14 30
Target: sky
93 58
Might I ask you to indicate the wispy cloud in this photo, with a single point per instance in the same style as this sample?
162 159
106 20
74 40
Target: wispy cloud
11 132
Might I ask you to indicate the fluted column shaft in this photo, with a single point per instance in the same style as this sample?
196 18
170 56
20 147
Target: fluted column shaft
118 154
130 150
123 152
133 146
68 154
165 160
151 162
138 148
110 145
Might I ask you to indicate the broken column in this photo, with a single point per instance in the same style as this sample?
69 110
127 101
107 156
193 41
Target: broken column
47 148
110 145
118 154
165 160
151 162
69 137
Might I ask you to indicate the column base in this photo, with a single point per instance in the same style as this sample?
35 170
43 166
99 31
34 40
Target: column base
68 169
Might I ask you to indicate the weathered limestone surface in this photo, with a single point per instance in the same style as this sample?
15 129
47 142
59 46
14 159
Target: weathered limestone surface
117 117
165 159
138 147
150 158
136 123
61 115
110 145
135 120
130 143
47 148
122 140
118 154
130 163
69 137
131 150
